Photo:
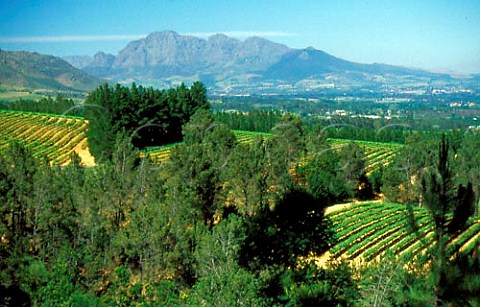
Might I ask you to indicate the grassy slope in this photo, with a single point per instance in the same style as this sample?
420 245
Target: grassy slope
30 70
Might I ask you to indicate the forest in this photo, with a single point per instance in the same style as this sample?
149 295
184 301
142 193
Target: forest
225 223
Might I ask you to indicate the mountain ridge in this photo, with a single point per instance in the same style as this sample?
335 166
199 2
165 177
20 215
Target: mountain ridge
227 64
23 69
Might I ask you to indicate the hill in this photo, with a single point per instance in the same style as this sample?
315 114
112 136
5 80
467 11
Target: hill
31 70
229 65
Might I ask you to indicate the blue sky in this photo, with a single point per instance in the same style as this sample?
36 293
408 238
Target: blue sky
429 34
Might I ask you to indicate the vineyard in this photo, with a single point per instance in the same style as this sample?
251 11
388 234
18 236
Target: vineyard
51 136
376 154
56 137
365 232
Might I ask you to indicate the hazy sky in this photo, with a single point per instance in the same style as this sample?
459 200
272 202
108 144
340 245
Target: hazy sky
430 34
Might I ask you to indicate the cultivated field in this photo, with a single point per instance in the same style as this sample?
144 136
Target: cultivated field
366 231
51 136
377 154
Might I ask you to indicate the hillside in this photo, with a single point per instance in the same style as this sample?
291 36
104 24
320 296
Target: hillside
229 65
45 135
366 231
31 70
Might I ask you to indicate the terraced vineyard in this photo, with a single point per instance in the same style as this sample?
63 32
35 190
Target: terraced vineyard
376 154
367 231
51 136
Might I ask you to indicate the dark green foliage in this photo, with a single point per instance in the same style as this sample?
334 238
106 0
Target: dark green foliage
59 105
199 163
288 140
247 177
335 175
148 117
352 163
441 199
325 178
233 288
221 281
437 187
464 207
292 229
376 180
17 224
255 120
402 178
312 286
468 164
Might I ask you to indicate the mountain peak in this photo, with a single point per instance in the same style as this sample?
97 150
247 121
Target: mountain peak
221 38
165 33
102 59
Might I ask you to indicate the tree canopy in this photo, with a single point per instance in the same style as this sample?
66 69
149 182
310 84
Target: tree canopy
147 116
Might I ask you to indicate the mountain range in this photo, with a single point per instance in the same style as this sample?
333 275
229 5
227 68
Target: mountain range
229 65
225 64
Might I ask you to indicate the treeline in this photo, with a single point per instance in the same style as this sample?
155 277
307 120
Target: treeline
254 120
60 105
149 117
361 129
366 130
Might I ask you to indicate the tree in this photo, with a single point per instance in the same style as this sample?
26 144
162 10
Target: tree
402 178
221 282
200 161
324 177
247 178
293 228
311 285
352 160
289 139
17 175
468 165
441 199
149 117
